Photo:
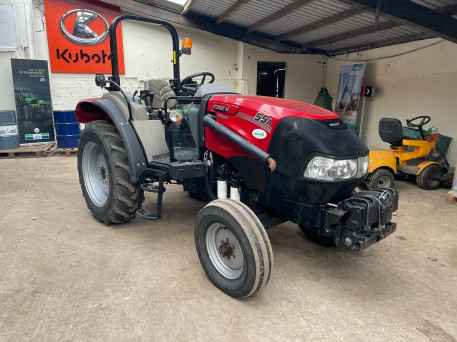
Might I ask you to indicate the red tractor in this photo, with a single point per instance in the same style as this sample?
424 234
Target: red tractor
259 161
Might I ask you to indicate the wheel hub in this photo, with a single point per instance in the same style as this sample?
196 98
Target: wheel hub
102 172
226 249
221 244
95 173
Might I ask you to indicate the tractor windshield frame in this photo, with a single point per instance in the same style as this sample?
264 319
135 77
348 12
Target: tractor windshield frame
114 49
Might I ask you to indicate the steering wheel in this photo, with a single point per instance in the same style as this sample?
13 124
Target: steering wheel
189 85
424 120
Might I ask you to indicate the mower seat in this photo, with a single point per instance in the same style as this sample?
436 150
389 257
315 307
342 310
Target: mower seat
390 131
161 90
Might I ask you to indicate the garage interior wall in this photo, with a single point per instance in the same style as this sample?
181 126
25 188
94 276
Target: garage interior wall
418 83
423 82
304 73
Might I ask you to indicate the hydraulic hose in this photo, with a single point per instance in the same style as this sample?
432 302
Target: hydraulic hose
242 143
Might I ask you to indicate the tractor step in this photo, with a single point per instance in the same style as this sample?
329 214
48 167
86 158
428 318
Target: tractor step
148 215
151 187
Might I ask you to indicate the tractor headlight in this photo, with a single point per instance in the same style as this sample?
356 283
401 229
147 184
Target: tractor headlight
363 166
329 169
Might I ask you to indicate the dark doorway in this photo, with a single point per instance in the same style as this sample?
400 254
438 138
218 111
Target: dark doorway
270 78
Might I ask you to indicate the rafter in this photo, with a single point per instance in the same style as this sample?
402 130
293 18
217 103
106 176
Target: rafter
352 34
382 43
231 10
449 10
187 6
202 23
279 14
412 14
320 23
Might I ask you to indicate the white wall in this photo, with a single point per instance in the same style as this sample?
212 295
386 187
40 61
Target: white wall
22 51
304 73
423 82
147 53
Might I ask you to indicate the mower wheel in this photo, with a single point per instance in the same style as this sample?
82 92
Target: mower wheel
429 178
312 235
233 248
104 174
380 178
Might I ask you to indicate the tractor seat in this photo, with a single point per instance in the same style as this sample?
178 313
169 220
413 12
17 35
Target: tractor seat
161 90
390 131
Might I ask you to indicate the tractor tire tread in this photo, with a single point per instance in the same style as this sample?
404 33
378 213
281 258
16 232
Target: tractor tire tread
121 204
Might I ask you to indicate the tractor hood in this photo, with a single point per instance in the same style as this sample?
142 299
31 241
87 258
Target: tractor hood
292 133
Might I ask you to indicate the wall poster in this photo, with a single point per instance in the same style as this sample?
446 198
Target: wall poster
33 101
348 96
78 38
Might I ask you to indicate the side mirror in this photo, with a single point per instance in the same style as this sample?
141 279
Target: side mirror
186 48
100 80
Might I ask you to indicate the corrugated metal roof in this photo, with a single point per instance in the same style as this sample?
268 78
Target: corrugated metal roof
253 11
435 3
256 10
304 16
356 22
212 8
400 31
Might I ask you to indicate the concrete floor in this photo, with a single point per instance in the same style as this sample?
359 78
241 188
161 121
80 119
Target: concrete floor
66 277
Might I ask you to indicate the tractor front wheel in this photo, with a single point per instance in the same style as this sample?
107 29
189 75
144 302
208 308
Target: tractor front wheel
233 248
380 178
430 177
104 174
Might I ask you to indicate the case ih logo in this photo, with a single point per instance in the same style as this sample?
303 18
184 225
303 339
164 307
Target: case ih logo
82 33
221 108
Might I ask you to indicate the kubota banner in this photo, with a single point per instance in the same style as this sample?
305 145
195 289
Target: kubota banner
78 37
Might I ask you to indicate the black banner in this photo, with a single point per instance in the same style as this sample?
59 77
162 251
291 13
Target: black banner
33 101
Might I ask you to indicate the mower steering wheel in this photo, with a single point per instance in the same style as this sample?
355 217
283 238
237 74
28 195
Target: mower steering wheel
424 120
187 84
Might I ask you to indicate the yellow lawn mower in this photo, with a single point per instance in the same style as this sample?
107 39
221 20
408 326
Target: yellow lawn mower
407 156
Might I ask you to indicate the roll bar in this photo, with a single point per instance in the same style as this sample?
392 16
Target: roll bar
114 53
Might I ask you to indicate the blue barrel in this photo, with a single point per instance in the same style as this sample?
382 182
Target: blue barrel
67 129
9 138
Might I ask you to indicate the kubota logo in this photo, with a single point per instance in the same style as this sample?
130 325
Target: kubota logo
82 33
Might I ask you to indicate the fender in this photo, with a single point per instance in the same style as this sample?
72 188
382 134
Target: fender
105 109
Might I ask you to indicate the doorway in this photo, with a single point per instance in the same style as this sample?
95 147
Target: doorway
271 77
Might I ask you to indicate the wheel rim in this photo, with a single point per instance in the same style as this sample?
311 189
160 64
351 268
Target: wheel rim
224 250
384 182
95 173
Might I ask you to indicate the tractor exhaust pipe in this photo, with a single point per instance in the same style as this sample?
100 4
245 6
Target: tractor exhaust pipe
242 143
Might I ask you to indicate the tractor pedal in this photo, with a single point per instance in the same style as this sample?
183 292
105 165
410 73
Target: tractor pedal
147 215
150 187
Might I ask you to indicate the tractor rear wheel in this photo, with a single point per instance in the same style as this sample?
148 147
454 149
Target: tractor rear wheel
314 236
104 174
380 178
429 178
233 248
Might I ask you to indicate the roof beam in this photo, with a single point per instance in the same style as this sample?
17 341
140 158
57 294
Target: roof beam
279 14
352 34
236 6
413 14
187 6
450 10
351 12
382 43
202 23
